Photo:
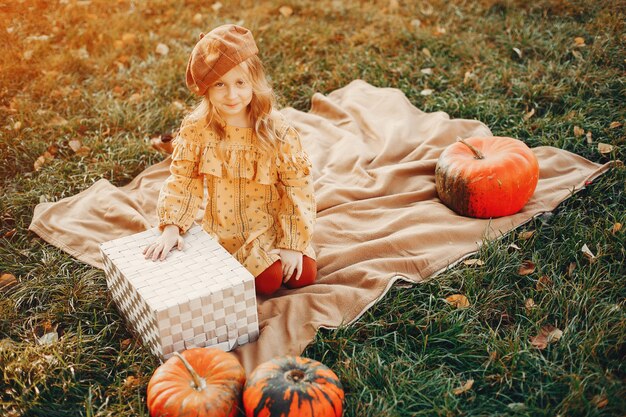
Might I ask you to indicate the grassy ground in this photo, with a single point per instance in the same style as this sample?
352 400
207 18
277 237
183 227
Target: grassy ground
550 72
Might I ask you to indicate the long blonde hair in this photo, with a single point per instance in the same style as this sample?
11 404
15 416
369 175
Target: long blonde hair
260 108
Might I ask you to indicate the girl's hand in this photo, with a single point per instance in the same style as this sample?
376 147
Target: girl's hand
291 261
164 243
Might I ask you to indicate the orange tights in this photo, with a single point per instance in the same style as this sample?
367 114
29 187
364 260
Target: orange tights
269 280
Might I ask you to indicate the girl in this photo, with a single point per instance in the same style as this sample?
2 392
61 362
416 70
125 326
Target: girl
260 205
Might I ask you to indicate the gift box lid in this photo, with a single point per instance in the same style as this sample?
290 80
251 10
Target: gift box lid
202 267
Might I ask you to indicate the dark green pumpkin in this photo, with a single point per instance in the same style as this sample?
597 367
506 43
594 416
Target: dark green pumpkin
293 386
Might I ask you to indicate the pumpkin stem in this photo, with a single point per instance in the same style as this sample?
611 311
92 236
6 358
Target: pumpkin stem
477 154
295 375
198 383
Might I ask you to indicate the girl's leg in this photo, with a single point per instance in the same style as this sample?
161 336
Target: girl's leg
268 281
309 273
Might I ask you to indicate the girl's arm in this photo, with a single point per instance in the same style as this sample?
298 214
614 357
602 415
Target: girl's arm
180 197
298 209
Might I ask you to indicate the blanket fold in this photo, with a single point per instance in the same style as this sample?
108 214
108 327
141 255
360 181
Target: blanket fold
379 218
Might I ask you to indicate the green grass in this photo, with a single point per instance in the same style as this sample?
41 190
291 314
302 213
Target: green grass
408 353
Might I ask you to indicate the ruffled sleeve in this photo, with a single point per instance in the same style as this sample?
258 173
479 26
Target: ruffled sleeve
297 215
182 193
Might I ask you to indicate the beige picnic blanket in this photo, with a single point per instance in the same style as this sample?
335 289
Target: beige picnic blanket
379 218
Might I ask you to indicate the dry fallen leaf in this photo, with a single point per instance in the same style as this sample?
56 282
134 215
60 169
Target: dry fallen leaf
529 114
548 334
469 76
529 304
53 149
7 281
458 301
615 125
80 53
427 71
578 131
125 343
286 11
162 49
578 41
543 283
41 161
526 235
570 268
48 338
122 62
426 52
83 151
75 144
588 254
616 228
518 52
605 148
46 326
57 121
118 90
589 137
600 401
178 105
15 104
426 92
82 129
464 388
513 247
527 268
517 407
131 382
10 234
439 30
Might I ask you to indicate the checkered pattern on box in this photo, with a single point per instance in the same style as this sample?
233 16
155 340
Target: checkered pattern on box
197 297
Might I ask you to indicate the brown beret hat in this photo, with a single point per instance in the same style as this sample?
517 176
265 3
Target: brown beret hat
216 53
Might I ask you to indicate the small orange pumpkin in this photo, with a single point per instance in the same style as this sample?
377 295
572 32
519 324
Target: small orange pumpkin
200 382
293 386
486 177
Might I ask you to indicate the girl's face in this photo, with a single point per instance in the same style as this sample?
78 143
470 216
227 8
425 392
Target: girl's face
231 95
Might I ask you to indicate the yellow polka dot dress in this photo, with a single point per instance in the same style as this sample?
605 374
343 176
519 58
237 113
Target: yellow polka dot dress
255 202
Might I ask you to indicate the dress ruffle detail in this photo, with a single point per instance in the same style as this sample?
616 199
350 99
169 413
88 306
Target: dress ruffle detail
240 161
236 161
297 165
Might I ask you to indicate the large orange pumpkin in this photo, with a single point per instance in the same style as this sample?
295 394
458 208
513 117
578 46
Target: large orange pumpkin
486 177
293 386
202 382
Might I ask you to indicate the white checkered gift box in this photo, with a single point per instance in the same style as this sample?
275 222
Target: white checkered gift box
197 297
